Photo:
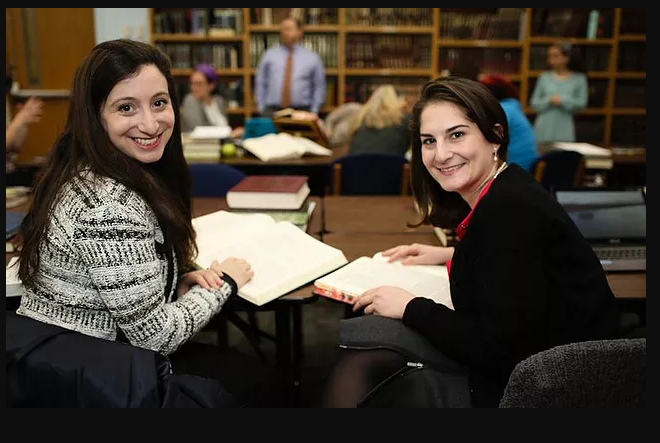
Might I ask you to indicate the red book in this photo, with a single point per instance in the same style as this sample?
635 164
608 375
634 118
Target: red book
283 192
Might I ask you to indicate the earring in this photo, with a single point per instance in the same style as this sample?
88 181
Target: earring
495 158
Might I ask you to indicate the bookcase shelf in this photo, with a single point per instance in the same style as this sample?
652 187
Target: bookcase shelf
616 45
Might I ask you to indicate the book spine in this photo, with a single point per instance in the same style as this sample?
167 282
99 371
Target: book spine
335 294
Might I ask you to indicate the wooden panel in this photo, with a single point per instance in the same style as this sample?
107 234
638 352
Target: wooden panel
52 41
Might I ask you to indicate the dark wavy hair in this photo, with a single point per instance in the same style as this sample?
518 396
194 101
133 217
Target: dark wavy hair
439 207
85 145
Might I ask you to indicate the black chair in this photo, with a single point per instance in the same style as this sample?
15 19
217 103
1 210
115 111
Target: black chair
214 179
595 374
560 169
371 174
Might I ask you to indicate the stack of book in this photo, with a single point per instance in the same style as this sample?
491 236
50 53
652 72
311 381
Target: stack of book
283 197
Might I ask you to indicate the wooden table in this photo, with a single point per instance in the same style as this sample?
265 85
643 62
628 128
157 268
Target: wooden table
387 214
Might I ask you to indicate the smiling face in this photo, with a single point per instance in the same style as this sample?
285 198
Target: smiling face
138 115
455 152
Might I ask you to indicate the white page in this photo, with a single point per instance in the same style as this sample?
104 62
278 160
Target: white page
313 148
210 132
439 270
282 256
585 149
366 273
224 228
274 147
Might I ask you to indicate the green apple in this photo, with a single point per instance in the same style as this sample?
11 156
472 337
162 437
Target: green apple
228 150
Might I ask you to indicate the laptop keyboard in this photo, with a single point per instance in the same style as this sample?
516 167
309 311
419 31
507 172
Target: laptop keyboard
620 253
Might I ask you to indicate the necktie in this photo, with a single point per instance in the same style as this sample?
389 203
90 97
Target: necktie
286 87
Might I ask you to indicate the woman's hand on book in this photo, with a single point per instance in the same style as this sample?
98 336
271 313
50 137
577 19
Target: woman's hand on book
238 269
384 301
417 254
208 279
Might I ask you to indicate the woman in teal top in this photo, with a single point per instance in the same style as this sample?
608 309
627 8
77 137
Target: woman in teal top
522 142
557 95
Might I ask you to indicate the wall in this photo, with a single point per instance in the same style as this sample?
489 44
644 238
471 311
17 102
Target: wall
112 23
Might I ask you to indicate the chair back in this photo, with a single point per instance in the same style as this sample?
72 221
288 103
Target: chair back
560 169
370 174
214 179
594 374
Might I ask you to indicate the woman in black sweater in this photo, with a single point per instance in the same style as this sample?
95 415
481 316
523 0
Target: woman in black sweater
523 279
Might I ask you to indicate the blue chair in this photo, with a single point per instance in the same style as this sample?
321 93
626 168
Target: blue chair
371 174
214 179
258 127
560 169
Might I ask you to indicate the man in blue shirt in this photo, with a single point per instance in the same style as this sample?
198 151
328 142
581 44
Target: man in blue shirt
289 75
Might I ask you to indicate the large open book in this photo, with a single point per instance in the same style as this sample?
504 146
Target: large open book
283 146
282 256
350 282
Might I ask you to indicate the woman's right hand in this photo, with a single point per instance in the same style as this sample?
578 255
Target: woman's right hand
417 254
238 269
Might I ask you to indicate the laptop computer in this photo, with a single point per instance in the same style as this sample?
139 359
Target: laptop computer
614 223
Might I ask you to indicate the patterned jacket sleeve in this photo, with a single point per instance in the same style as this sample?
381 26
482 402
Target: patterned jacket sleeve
118 246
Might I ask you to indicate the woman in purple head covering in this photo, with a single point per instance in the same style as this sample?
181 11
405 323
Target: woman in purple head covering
203 106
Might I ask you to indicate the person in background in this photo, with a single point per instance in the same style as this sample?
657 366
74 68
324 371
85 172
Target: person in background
558 94
522 143
523 278
108 243
16 131
338 124
381 126
203 106
290 75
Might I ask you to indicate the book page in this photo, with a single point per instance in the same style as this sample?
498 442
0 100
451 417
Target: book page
273 147
586 149
224 228
282 257
367 273
439 270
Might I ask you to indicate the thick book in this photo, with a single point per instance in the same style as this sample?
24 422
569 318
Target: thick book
281 192
282 256
351 281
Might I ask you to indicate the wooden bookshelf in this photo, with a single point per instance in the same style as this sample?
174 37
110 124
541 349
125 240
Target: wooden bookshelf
498 40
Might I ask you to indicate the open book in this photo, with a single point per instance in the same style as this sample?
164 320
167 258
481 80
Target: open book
354 279
282 256
283 146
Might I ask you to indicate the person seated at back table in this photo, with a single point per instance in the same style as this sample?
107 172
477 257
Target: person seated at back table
381 126
203 106
523 278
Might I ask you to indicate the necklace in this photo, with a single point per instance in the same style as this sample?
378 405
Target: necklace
500 170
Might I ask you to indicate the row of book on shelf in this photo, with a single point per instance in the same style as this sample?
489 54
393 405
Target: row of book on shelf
500 24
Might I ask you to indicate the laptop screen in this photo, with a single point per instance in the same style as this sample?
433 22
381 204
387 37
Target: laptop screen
607 215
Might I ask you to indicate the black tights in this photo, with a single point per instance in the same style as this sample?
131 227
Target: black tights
357 373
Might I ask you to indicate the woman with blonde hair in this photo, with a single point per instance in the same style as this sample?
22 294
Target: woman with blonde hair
382 124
